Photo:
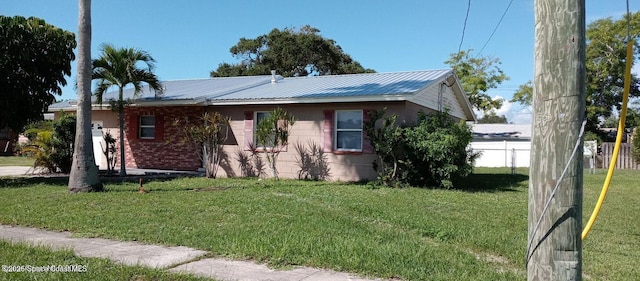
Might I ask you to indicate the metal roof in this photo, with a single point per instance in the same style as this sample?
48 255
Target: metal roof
195 89
501 131
189 91
331 86
260 89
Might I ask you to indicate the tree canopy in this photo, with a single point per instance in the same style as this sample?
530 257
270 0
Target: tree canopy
524 94
605 66
492 117
605 63
34 59
290 52
477 75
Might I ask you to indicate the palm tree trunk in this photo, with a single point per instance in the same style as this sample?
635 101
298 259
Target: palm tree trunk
84 172
123 169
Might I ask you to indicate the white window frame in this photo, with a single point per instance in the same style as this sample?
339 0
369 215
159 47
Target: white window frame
336 130
146 126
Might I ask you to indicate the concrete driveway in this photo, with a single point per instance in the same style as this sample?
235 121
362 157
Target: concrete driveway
15 171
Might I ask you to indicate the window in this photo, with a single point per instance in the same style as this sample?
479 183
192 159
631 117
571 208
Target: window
260 115
147 128
348 130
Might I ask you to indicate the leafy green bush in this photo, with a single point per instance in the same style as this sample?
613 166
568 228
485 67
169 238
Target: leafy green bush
272 135
437 151
51 143
434 152
387 144
64 135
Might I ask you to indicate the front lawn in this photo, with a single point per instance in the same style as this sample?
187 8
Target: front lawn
16 161
413 234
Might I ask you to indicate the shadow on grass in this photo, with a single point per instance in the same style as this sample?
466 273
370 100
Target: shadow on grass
493 182
63 180
18 182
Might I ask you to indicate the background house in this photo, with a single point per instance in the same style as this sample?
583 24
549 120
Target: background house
502 145
329 112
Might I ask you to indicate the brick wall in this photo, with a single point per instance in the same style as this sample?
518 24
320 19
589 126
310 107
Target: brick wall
166 150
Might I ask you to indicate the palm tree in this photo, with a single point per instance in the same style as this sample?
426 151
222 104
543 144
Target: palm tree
120 67
84 173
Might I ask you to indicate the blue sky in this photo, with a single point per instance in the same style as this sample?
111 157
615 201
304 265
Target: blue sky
190 38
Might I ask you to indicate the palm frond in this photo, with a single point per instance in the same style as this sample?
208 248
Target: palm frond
124 66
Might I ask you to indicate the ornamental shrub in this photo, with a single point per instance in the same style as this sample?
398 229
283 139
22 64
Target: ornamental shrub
432 153
437 152
51 143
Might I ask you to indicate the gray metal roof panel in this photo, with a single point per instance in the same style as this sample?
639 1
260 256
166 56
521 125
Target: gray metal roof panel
523 130
192 89
369 84
257 88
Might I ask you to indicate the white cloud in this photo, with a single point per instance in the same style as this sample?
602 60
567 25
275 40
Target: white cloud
506 107
514 112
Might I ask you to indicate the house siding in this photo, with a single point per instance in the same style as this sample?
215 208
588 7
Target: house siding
166 150
307 131
428 97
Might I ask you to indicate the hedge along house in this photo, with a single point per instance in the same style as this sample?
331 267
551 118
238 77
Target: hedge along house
329 112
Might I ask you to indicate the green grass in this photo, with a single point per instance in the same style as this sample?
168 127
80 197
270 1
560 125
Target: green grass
16 161
413 234
34 259
611 251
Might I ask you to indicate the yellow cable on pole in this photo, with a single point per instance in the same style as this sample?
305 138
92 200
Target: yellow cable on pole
616 149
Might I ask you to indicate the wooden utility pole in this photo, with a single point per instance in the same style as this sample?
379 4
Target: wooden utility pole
559 108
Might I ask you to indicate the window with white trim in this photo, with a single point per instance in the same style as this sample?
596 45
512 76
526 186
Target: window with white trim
147 127
348 130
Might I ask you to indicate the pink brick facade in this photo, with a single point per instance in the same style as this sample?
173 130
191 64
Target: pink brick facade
165 150
313 126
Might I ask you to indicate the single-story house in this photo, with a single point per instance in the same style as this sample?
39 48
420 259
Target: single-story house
329 112
502 145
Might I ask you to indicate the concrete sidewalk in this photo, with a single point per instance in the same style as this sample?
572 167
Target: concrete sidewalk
175 259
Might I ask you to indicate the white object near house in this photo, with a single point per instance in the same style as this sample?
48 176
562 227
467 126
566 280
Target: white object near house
96 137
502 145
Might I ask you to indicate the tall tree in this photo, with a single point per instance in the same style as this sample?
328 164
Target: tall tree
477 75
84 172
605 63
291 52
120 67
35 57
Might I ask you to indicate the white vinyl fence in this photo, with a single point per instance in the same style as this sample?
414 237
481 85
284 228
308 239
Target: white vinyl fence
506 153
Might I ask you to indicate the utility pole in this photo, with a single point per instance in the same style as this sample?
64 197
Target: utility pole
555 250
